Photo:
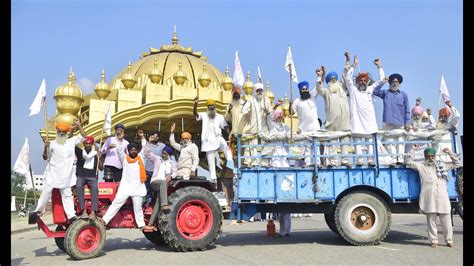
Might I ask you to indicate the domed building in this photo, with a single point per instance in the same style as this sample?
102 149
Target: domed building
149 94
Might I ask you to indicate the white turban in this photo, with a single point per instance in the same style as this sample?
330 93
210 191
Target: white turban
258 86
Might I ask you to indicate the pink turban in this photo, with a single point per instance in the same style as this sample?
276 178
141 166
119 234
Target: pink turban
417 110
276 114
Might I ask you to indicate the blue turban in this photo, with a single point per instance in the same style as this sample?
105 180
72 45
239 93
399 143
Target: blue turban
393 76
168 150
303 84
330 75
119 125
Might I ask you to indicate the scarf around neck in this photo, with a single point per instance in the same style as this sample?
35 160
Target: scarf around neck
141 165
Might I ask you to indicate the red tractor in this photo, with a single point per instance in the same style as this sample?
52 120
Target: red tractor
193 223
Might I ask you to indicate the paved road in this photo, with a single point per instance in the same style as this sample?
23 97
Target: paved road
311 243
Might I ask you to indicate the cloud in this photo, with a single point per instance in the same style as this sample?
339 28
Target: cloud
86 85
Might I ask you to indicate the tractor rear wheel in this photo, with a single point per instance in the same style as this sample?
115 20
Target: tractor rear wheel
155 237
363 218
85 239
194 221
60 240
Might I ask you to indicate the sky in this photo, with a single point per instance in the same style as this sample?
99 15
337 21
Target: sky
418 39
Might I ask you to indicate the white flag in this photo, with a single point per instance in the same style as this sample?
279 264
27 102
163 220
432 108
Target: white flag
22 164
35 107
238 73
289 61
259 74
108 120
443 89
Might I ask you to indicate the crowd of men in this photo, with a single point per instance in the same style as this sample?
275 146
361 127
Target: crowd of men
145 167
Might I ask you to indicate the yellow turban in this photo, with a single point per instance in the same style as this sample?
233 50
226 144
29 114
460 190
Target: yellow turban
211 102
186 135
63 126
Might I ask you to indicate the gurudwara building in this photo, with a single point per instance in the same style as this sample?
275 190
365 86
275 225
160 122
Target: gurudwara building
150 94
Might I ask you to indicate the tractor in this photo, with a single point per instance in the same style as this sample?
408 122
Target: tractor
193 224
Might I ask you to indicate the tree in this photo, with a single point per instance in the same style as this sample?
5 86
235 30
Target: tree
18 183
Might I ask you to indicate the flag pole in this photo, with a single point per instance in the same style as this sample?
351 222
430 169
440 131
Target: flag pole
439 97
45 118
32 184
98 152
291 103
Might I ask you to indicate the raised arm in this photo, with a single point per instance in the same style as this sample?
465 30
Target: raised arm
455 163
195 112
173 143
319 81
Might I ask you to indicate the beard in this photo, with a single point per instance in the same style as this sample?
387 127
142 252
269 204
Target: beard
334 87
61 139
395 87
305 95
430 162
259 97
185 143
362 87
442 125
236 96
211 114
235 102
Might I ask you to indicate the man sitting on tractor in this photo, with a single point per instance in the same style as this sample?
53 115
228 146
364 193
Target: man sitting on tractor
189 154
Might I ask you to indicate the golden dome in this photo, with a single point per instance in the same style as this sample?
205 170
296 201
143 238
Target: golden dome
68 99
286 106
168 58
156 75
204 79
227 83
269 93
70 88
180 76
102 88
248 85
128 79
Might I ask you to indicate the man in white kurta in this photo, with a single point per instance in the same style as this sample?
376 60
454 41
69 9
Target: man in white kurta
131 185
233 116
60 155
211 136
434 198
189 154
337 111
305 108
363 121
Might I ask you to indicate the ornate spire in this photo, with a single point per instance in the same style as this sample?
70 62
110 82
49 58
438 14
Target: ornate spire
156 75
174 40
180 76
248 85
128 79
102 88
227 83
72 76
204 79
269 94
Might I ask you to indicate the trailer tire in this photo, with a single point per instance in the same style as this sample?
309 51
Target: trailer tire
194 221
85 239
363 218
60 240
331 222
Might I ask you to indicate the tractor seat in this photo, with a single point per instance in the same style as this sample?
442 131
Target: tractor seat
191 178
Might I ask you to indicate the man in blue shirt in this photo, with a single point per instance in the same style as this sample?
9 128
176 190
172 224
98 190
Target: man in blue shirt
155 147
396 114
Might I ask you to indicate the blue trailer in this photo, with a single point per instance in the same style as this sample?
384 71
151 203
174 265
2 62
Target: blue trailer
357 202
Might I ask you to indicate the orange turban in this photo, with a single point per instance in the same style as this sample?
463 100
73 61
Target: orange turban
186 135
444 112
362 75
63 126
211 102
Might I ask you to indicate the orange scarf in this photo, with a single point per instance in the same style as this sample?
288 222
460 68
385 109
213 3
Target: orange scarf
141 164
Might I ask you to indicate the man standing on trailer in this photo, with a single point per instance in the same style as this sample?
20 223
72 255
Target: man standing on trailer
434 199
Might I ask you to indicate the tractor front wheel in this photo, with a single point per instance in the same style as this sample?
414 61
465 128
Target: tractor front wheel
84 239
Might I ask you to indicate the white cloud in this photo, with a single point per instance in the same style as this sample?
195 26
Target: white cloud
86 85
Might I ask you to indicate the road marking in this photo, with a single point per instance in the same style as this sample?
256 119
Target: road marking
385 248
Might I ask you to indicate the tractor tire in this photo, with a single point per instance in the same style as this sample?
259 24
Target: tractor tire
60 240
84 239
363 218
459 208
194 221
329 217
155 238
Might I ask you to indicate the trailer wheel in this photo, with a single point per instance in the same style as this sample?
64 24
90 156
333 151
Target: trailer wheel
84 239
194 222
331 222
363 218
60 240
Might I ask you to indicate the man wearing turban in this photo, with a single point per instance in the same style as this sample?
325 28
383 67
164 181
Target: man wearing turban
416 114
154 146
211 136
434 199
444 124
165 169
454 114
189 154
59 170
305 107
363 121
112 163
86 174
132 184
337 110
233 115
396 115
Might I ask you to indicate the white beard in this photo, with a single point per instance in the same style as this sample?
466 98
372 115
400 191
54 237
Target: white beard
259 97
394 87
361 87
334 87
211 114
61 139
